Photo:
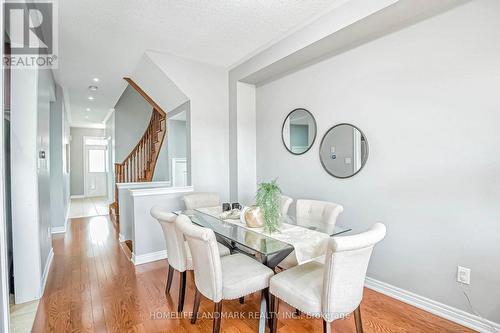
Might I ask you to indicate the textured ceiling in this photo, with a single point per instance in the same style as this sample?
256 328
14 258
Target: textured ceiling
106 39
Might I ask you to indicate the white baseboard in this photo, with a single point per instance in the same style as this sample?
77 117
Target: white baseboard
62 229
78 196
46 270
58 230
439 309
149 257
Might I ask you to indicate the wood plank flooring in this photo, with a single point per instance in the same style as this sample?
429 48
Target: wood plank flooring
93 287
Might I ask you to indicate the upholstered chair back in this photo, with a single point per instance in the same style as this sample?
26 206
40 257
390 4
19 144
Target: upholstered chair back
201 200
285 204
321 212
206 259
176 250
344 275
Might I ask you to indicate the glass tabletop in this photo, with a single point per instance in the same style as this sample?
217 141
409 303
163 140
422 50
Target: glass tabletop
253 240
235 233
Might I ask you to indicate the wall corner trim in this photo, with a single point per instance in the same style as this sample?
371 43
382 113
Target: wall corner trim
148 257
144 192
46 271
439 309
61 229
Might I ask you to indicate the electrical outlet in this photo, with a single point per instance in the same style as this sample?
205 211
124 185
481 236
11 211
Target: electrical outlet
463 275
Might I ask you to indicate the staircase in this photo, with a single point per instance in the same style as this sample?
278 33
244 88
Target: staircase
139 165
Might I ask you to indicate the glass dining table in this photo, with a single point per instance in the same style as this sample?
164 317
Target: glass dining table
239 239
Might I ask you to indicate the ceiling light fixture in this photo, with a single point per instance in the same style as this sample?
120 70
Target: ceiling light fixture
96 79
90 98
93 88
87 109
86 117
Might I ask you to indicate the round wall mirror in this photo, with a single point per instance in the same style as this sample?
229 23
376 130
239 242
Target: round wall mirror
343 151
299 131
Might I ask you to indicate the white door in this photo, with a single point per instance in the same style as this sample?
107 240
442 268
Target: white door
95 150
179 172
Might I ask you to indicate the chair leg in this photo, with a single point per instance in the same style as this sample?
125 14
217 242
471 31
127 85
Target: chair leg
217 317
170 277
271 313
327 327
196 306
357 320
182 291
242 300
275 309
269 309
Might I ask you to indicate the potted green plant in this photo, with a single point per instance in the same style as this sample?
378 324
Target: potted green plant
268 199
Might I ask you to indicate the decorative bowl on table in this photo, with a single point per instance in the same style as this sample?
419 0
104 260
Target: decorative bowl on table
253 217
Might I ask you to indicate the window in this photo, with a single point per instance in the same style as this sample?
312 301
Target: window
97 160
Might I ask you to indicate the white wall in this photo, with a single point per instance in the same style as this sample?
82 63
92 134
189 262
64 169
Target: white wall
126 206
66 155
177 142
46 95
246 138
427 99
31 94
109 133
304 43
132 115
179 137
59 177
148 240
165 92
77 168
206 88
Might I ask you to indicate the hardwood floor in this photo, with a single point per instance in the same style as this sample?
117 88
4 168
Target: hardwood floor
93 287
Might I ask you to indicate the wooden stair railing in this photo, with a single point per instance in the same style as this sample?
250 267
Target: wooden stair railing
139 165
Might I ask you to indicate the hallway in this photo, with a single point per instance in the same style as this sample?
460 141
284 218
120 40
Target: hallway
93 287
87 207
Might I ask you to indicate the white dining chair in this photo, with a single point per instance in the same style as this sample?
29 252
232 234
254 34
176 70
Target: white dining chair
202 200
285 205
321 213
179 255
332 290
220 278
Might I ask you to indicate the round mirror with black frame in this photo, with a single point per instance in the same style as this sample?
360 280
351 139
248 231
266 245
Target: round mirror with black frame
299 131
343 151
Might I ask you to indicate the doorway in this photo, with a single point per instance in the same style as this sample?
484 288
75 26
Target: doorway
96 166
94 200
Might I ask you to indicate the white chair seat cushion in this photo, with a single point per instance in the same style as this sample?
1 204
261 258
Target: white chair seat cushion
300 287
223 251
242 275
